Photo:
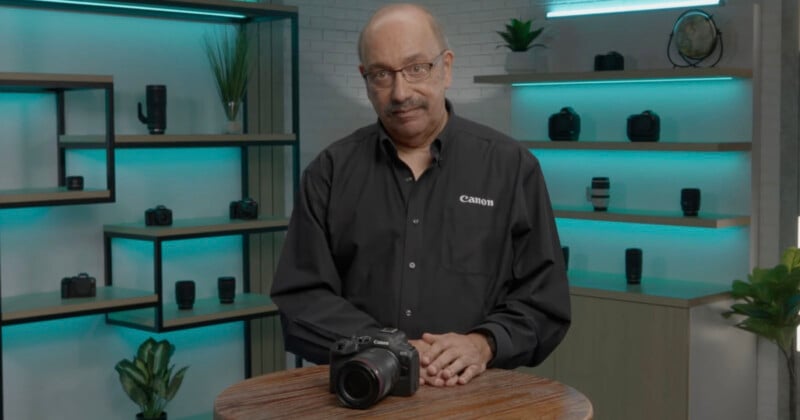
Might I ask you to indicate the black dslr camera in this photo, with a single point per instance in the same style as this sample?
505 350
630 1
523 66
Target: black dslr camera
158 216
366 368
79 286
611 61
244 209
564 125
644 127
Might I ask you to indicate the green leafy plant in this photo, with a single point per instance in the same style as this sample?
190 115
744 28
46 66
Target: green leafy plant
519 36
229 57
148 379
769 302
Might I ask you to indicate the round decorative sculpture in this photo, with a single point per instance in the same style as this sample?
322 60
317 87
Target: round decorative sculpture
695 36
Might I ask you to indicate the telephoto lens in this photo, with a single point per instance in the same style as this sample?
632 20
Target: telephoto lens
367 378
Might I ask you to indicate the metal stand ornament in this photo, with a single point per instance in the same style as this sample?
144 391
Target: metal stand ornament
696 37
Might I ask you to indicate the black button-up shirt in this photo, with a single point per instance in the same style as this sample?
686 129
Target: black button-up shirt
470 245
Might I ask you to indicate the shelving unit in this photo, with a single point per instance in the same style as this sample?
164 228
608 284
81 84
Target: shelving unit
43 306
662 340
654 218
616 76
658 146
146 309
182 140
165 316
59 85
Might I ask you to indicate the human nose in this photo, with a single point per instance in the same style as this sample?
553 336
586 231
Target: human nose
400 88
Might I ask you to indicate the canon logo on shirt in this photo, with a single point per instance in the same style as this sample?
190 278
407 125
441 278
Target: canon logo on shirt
476 200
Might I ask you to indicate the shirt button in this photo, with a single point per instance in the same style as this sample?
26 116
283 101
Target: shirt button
411 265
415 221
408 312
409 179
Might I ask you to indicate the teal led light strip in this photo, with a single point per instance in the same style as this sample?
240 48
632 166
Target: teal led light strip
145 8
606 82
623 6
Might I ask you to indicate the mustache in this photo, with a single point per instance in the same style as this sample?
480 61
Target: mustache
405 105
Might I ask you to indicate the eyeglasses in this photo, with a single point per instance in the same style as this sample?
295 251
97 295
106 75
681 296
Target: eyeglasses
413 73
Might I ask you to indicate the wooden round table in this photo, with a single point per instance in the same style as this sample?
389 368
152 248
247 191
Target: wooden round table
303 393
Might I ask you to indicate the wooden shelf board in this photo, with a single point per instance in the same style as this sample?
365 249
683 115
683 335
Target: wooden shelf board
658 146
176 140
17 309
53 195
196 227
651 290
205 311
620 75
35 82
654 218
247 10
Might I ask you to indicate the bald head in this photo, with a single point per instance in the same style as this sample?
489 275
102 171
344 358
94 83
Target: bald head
404 14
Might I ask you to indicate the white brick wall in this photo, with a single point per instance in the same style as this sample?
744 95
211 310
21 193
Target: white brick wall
333 100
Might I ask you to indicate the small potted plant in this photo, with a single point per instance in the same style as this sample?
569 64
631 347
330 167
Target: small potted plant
519 38
768 304
229 57
148 378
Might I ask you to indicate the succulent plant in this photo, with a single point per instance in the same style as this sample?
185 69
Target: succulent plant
519 36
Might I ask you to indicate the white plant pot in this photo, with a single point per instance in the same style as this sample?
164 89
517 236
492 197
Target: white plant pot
533 60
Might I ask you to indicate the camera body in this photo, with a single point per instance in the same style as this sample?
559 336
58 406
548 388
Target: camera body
564 125
158 216
610 61
78 286
366 368
244 209
644 127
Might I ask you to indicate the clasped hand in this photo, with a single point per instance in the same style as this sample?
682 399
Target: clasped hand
451 359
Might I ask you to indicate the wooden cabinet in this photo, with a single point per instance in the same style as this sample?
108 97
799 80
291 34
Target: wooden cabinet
661 351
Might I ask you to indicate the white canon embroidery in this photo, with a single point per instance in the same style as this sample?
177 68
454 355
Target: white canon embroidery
476 200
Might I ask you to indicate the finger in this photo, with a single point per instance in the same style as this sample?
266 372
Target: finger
442 361
454 368
472 371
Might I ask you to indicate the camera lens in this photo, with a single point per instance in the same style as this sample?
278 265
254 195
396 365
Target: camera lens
367 377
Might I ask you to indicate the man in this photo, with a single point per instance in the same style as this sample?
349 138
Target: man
425 222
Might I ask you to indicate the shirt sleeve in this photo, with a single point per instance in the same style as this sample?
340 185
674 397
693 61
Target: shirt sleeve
532 314
307 287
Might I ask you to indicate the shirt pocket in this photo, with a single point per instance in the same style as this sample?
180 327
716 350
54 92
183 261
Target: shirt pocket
473 240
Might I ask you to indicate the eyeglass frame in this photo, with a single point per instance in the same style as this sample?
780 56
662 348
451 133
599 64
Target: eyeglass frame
401 70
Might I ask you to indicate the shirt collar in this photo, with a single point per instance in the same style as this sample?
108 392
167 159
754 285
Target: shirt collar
437 147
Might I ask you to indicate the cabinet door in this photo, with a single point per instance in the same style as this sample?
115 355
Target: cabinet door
630 359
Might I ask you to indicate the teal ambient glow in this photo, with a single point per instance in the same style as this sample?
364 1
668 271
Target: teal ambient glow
625 81
146 8
622 6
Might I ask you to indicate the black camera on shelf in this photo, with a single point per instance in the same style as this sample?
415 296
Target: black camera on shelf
644 127
74 183
80 286
244 209
158 216
366 368
564 125
610 61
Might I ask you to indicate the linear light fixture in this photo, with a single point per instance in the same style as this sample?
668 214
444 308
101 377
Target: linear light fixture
623 6
146 8
608 82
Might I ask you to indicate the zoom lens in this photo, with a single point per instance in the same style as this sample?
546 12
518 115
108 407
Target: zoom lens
366 378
